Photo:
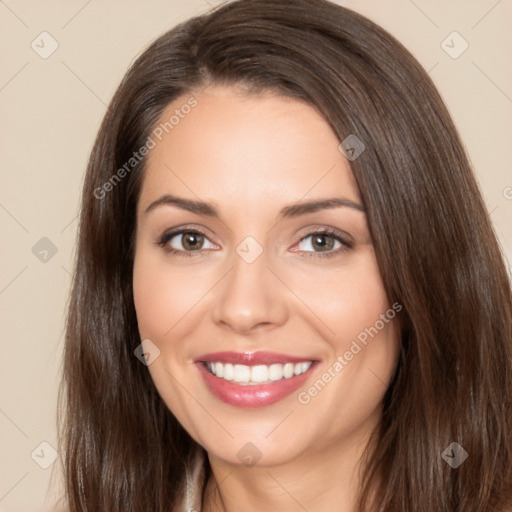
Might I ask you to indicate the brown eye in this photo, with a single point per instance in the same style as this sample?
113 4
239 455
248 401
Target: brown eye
324 243
192 241
319 242
185 241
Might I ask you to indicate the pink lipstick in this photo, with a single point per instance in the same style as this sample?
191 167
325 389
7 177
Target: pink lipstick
253 379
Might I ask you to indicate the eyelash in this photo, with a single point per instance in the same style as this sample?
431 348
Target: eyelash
166 237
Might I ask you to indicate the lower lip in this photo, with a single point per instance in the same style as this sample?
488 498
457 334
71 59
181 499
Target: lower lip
252 395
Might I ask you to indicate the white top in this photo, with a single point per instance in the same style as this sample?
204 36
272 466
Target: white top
192 494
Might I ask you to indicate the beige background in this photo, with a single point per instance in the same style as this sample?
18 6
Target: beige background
50 111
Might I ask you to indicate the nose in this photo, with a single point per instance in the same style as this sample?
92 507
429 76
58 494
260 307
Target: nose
250 298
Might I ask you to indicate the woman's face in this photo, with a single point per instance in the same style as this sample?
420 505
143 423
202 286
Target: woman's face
256 281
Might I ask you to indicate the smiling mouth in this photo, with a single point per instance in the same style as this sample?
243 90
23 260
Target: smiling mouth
257 374
254 379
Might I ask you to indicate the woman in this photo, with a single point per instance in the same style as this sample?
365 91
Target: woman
288 294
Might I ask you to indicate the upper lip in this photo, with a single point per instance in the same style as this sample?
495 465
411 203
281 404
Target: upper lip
252 358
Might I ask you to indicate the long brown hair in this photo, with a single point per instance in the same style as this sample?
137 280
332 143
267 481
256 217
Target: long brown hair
438 256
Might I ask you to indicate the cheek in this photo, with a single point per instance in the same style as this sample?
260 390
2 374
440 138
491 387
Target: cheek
363 335
163 297
347 300
150 294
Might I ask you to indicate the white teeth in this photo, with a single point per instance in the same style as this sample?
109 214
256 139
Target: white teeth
243 374
229 372
275 372
288 370
259 373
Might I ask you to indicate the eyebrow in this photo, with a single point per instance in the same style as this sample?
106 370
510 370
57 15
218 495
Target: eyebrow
295 210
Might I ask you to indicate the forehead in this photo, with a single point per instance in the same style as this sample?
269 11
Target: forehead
254 151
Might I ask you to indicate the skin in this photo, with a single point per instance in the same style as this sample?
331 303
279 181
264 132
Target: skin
252 155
